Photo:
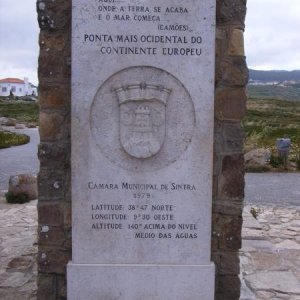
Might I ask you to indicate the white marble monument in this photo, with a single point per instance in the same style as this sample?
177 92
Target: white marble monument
142 150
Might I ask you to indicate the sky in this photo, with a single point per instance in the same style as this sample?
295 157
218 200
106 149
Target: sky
272 37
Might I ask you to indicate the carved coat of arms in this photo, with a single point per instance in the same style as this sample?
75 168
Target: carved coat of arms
142 118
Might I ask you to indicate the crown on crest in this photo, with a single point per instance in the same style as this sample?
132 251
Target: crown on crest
142 110
141 92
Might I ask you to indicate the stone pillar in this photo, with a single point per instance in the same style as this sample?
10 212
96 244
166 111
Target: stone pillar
54 205
230 108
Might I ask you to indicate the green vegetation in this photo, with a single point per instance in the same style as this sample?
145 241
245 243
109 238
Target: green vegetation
8 139
19 199
267 120
291 93
24 112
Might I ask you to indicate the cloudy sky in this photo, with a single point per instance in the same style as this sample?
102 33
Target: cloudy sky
272 36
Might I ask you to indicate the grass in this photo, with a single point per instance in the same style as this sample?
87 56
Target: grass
8 139
290 93
24 112
266 120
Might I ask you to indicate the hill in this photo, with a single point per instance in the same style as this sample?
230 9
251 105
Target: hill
274 75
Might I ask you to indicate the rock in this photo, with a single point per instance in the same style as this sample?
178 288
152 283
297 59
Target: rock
279 281
17 279
23 183
8 121
31 125
288 245
19 126
257 157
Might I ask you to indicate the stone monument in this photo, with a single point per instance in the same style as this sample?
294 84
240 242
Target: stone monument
142 150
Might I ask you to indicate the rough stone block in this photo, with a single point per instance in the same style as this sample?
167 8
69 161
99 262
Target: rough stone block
227 231
231 181
229 263
54 15
54 155
50 213
53 260
234 71
228 288
51 184
53 67
236 43
230 104
231 11
56 42
54 126
46 287
51 235
55 97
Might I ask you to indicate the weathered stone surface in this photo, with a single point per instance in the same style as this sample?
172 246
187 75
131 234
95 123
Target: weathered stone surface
257 157
23 184
18 250
232 178
236 43
52 260
53 126
227 231
19 126
54 156
229 138
288 244
50 213
280 281
229 263
51 235
228 207
274 259
31 125
234 72
230 104
54 16
55 97
228 288
47 288
52 183
231 11
8 121
57 42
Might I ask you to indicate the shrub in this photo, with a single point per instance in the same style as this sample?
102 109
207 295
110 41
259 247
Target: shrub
276 161
8 139
19 199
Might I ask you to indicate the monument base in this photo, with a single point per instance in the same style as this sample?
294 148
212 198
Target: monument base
140 282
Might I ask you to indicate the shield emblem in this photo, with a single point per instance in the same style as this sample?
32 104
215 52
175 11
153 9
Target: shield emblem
142 118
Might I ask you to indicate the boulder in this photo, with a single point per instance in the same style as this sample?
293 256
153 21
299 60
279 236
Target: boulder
31 125
23 184
257 157
8 121
19 126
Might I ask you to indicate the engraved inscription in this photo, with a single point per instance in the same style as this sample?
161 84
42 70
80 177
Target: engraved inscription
142 118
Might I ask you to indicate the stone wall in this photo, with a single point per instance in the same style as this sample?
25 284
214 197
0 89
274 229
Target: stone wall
230 107
54 207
